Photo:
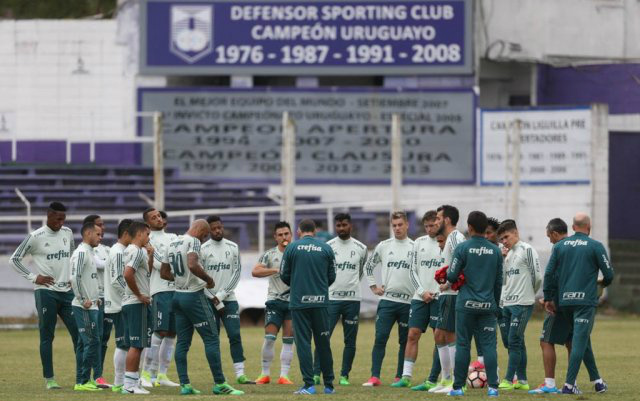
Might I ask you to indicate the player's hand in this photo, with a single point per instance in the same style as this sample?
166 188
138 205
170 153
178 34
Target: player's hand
377 290
285 243
550 307
149 249
210 283
427 297
144 299
45 280
505 251
445 286
87 304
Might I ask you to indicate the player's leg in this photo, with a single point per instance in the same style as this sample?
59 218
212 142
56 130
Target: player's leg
65 311
402 317
322 339
478 349
503 325
138 321
521 369
303 329
334 312
583 319
512 316
184 328
445 328
418 321
120 353
89 329
594 376
46 306
231 321
432 379
167 348
486 324
85 370
272 322
150 366
465 327
97 368
350 320
286 354
385 318
105 335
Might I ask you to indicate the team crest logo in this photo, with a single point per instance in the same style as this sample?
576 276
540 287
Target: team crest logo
191 32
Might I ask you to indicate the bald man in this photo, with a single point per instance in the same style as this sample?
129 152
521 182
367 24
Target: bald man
182 263
572 276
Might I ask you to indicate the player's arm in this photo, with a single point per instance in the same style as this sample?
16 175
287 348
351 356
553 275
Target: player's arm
285 267
604 265
550 285
413 272
193 263
457 265
235 278
118 278
261 269
77 267
497 285
16 262
130 276
165 267
533 264
332 266
363 262
370 267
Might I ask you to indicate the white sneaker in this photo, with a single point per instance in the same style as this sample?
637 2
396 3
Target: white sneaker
163 380
445 390
146 382
135 390
436 388
442 384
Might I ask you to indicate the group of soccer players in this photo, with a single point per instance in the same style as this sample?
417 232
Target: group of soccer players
156 288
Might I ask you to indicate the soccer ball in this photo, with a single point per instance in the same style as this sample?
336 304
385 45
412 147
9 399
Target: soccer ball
477 379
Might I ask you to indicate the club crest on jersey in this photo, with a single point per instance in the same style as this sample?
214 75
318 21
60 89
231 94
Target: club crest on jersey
191 31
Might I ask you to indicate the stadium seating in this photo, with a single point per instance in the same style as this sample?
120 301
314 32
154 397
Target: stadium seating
115 190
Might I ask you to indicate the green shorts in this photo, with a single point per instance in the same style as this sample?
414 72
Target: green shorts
138 323
556 329
122 335
423 315
162 312
447 313
277 311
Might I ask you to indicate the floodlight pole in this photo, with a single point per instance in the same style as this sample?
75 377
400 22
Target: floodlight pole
288 169
396 161
158 161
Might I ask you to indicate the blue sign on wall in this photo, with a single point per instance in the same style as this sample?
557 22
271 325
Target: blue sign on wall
282 37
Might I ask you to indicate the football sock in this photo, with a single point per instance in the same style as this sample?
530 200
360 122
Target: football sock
151 358
119 362
445 361
550 382
599 381
407 368
452 355
238 367
481 359
286 356
131 380
165 353
267 353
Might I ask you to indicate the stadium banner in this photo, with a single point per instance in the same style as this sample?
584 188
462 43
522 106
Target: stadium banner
341 136
555 145
289 37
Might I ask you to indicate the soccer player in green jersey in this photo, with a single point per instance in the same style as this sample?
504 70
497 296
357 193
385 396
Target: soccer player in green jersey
394 256
427 259
557 330
477 302
445 333
101 256
113 293
572 276
51 247
182 264
85 285
344 293
221 261
277 313
158 357
138 261
309 268
522 280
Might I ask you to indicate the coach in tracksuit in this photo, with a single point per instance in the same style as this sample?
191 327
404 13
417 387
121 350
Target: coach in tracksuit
308 267
477 304
572 274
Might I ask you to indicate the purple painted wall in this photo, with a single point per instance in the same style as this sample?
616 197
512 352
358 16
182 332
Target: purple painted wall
618 85
52 152
624 185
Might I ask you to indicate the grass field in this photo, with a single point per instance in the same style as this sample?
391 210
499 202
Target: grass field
616 344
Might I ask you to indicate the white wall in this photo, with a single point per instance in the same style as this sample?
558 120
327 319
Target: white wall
561 31
65 79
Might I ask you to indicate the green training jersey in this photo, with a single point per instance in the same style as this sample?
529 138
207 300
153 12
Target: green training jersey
221 261
51 251
138 259
427 259
395 257
176 256
160 240
277 289
309 268
521 275
481 263
84 277
351 256
115 284
572 271
454 239
101 257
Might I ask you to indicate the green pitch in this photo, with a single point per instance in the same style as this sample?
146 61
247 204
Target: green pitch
616 343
